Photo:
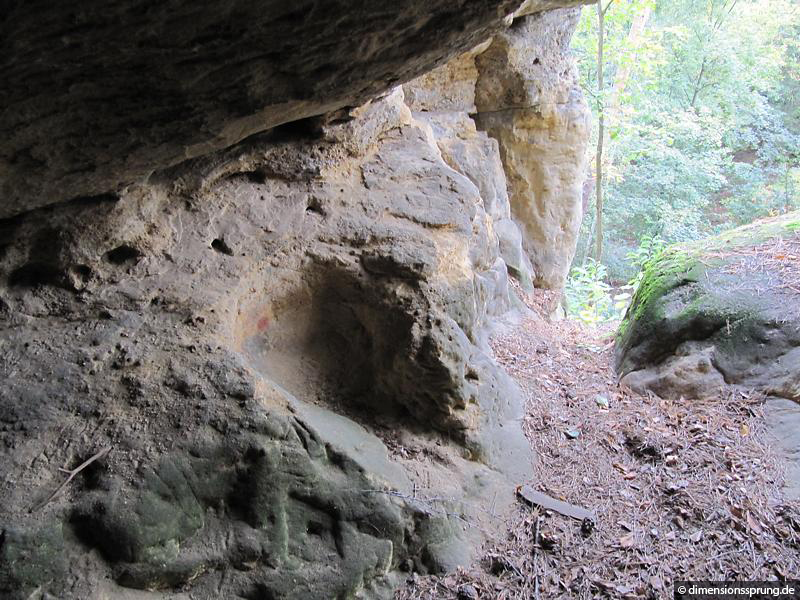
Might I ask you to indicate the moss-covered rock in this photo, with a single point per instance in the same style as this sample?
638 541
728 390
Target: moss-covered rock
720 311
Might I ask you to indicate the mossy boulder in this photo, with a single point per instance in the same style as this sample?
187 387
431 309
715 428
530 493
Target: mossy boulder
721 311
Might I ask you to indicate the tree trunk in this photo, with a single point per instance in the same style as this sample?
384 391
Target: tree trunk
598 247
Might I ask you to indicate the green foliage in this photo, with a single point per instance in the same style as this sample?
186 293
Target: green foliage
648 251
589 296
705 128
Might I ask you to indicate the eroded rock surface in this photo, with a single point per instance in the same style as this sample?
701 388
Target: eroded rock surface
520 91
529 100
212 327
101 94
445 100
271 327
717 313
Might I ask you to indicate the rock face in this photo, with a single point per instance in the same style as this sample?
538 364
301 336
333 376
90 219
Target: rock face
528 99
444 100
210 326
270 339
724 312
101 94
522 91
530 7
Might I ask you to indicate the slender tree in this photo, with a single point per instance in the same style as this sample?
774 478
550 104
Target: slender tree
601 17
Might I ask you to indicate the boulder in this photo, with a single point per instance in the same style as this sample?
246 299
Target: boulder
719 312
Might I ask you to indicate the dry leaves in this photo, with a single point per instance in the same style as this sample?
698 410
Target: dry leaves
681 489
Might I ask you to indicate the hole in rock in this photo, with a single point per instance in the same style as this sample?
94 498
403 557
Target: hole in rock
327 340
257 177
81 273
315 206
123 254
220 246
315 528
35 273
260 592
308 128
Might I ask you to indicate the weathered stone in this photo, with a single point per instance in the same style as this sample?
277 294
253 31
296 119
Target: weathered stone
528 99
689 373
449 88
30 558
782 417
226 311
270 305
716 313
476 156
296 503
530 7
102 94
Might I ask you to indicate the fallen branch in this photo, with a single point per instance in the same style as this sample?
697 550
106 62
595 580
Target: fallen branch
72 473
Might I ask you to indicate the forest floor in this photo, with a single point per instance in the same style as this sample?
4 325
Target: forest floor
681 490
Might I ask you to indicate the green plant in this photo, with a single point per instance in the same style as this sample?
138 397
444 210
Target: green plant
649 249
701 115
589 296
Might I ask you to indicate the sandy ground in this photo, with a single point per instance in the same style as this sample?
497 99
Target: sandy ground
680 489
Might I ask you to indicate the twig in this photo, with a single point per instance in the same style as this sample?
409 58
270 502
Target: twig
536 556
72 473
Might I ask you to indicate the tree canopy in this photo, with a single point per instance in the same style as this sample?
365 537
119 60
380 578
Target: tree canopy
700 105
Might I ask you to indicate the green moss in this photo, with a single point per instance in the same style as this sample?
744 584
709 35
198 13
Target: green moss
684 263
756 233
673 267
30 558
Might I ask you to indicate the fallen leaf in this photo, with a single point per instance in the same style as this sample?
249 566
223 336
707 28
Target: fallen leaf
753 524
550 503
624 590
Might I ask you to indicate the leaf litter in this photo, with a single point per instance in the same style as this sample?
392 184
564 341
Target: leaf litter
681 489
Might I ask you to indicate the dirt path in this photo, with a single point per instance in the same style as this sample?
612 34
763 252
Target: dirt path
681 490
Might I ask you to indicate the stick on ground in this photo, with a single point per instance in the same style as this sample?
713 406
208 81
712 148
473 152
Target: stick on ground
72 473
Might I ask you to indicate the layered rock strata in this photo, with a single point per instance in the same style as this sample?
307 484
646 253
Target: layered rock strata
99 94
